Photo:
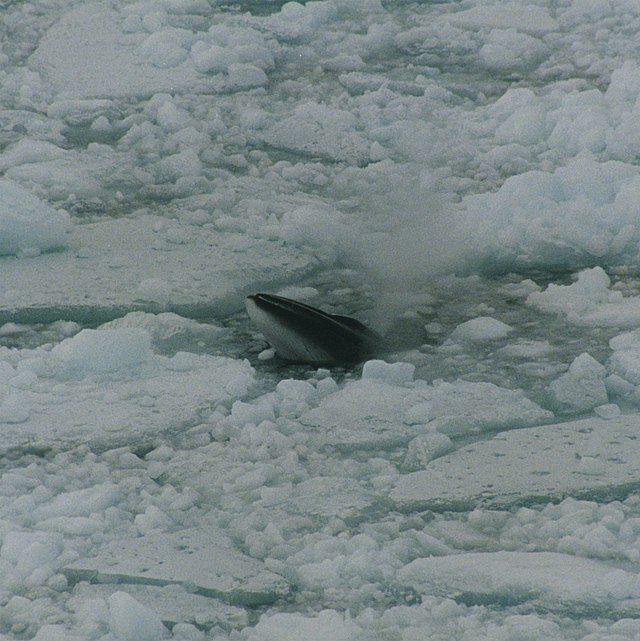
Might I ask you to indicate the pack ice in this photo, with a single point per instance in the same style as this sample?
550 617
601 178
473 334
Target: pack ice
464 174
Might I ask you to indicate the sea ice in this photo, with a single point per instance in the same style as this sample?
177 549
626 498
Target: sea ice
392 373
201 559
554 581
328 625
530 19
624 367
424 448
28 224
130 264
167 157
131 621
589 300
380 413
317 130
582 388
110 388
103 351
576 213
483 328
89 53
590 457
174 605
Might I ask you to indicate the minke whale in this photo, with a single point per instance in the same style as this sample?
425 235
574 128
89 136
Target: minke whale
304 334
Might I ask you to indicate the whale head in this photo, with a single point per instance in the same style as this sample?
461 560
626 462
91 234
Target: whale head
305 334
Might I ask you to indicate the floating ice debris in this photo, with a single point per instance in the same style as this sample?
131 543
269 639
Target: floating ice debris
483 328
29 225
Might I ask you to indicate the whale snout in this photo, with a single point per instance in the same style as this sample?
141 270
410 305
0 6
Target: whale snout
304 334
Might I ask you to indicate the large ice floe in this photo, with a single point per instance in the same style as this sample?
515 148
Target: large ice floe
462 177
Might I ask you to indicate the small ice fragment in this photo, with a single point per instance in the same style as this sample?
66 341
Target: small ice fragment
299 293
131 620
266 354
433 328
581 388
102 124
425 448
483 328
155 290
243 76
618 386
392 373
102 351
420 413
118 261
177 236
29 226
14 410
25 379
11 329
609 410
585 366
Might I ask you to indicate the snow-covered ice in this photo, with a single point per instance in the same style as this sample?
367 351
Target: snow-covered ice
201 559
139 263
555 581
462 177
532 464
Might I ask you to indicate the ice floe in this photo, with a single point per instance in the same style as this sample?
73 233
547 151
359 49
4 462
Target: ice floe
530 465
109 385
203 560
137 263
553 581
